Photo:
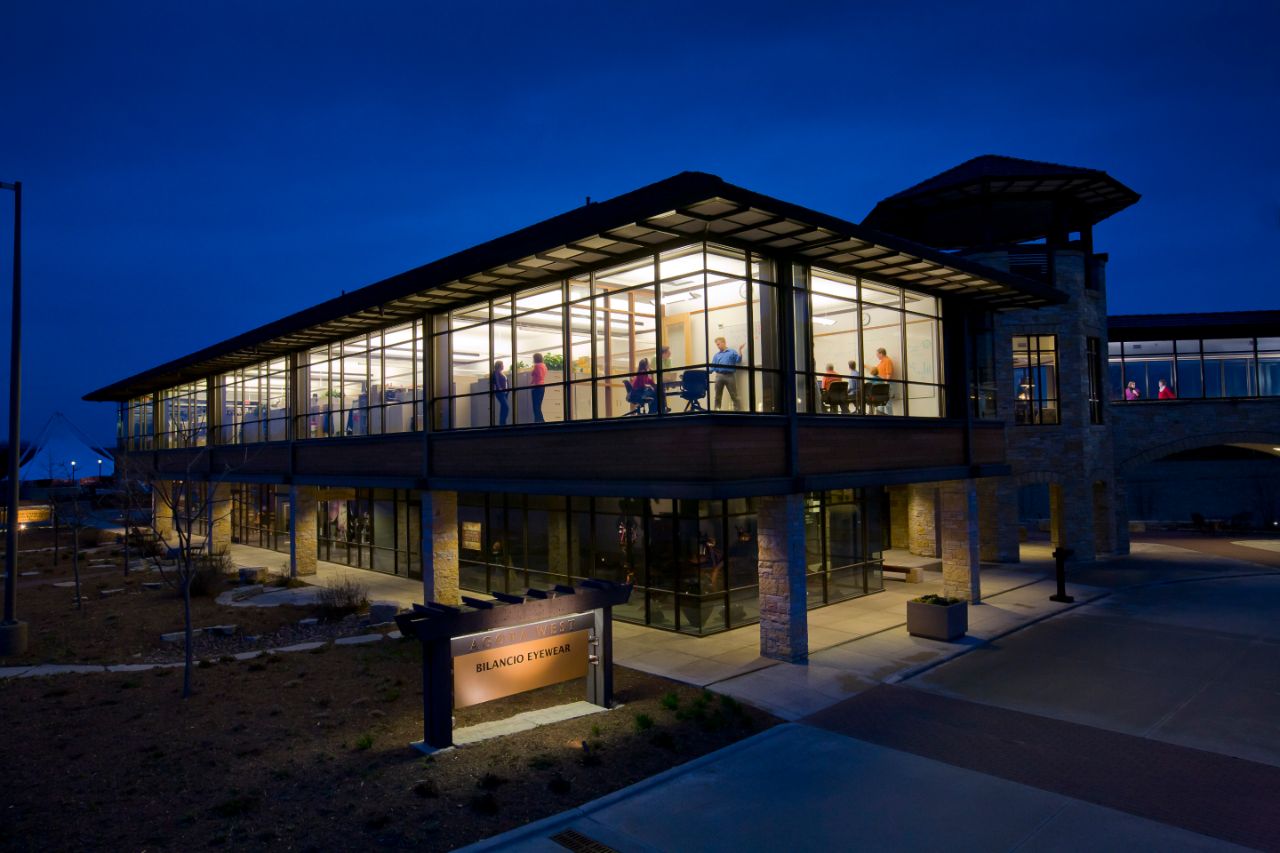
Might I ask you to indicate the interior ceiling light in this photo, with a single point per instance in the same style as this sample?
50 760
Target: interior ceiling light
824 321
687 296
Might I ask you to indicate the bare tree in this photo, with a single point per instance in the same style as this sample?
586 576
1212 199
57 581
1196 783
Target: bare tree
76 513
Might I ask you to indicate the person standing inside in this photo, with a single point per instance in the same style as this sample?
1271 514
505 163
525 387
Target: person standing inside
1166 393
884 370
498 382
1131 391
538 378
723 369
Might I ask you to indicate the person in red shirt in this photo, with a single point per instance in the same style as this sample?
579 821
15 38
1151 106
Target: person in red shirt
829 377
643 385
538 378
1166 393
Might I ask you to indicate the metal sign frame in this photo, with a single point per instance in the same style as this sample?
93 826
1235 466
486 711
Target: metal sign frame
437 626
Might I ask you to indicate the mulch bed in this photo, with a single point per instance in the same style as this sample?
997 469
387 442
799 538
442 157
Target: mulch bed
309 751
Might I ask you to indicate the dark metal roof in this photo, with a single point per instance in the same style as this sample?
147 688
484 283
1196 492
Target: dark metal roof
687 207
1215 324
996 199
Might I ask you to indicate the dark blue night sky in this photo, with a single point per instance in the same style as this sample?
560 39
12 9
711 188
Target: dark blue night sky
195 170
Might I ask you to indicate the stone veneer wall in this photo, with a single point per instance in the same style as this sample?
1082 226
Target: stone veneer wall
219 506
922 519
1074 454
440 547
303 545
784 627
960 539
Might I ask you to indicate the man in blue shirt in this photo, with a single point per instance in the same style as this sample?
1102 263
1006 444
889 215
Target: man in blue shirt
722 371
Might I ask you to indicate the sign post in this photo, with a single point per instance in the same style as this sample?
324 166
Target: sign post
490 649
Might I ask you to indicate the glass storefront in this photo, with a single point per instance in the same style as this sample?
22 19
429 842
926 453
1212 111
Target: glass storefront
379 529
694 563
260 516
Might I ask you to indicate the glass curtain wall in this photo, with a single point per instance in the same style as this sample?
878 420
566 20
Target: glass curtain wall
254 403
377 529
636 339
694 563
1212 368
260 516
137 423
184 416
866 348
367 385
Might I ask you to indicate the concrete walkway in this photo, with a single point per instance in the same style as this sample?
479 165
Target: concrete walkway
1148 719
382 587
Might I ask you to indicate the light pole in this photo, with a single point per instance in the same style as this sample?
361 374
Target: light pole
73 474
13 634
99 470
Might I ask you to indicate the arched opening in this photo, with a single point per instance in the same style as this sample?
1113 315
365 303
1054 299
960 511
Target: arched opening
1217 487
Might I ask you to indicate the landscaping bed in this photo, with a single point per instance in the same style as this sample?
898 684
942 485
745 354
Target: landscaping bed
125 626
309 751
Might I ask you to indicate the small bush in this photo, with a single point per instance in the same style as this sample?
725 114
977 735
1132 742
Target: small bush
595 730
643 722
485 803
663 740
541 762
490 782
341 598
426 789
365 741
940 600
671 701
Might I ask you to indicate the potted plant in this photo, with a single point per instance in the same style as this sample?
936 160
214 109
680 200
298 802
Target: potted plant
937 617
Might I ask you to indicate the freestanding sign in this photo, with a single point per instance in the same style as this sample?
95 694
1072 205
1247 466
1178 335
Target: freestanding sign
491 649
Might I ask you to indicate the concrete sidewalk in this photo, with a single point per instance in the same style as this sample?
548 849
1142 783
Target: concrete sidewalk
1034 756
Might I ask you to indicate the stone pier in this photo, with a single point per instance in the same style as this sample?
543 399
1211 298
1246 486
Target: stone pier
960 540
784 625
440 547
302 530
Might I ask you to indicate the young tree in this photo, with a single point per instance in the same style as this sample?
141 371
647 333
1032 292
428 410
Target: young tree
76 513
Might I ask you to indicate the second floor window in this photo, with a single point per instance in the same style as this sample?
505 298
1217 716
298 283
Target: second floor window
1035 379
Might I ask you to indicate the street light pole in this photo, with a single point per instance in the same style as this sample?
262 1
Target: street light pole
13 634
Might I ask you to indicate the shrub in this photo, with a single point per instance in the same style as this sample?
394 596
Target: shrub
342 597
643 722
671 701
365 741
940 600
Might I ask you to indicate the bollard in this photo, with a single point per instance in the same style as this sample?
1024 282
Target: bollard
1060 556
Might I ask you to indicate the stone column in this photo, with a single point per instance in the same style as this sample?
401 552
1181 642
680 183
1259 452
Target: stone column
219 518
302 530
960 540
558 546
1057 515
162 509
898 517
784 620
440 547
922 519
1120 502
1075 528
998 519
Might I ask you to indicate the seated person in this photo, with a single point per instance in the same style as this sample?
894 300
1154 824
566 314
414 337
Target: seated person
829 377
644 389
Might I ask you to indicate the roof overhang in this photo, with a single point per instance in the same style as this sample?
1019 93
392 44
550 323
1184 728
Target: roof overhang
688 207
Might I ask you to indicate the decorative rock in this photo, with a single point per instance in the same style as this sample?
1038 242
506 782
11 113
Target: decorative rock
383 611
357 640
28 574
222 630
179 636
152 585
309 621
65 584
107 593
253 574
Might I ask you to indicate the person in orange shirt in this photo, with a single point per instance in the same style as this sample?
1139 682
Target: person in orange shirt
829 377
884 370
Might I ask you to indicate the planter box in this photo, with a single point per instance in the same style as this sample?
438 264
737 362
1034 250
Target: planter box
937 622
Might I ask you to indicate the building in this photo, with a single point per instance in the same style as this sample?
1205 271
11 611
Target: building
731 401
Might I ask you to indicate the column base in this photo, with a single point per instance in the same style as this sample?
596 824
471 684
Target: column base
13 639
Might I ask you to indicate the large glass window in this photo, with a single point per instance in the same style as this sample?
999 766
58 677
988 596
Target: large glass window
253 403
982 361
138 423
1197 368
377 529
1035 379
684 331
184 416
871 348
694 564
366 385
